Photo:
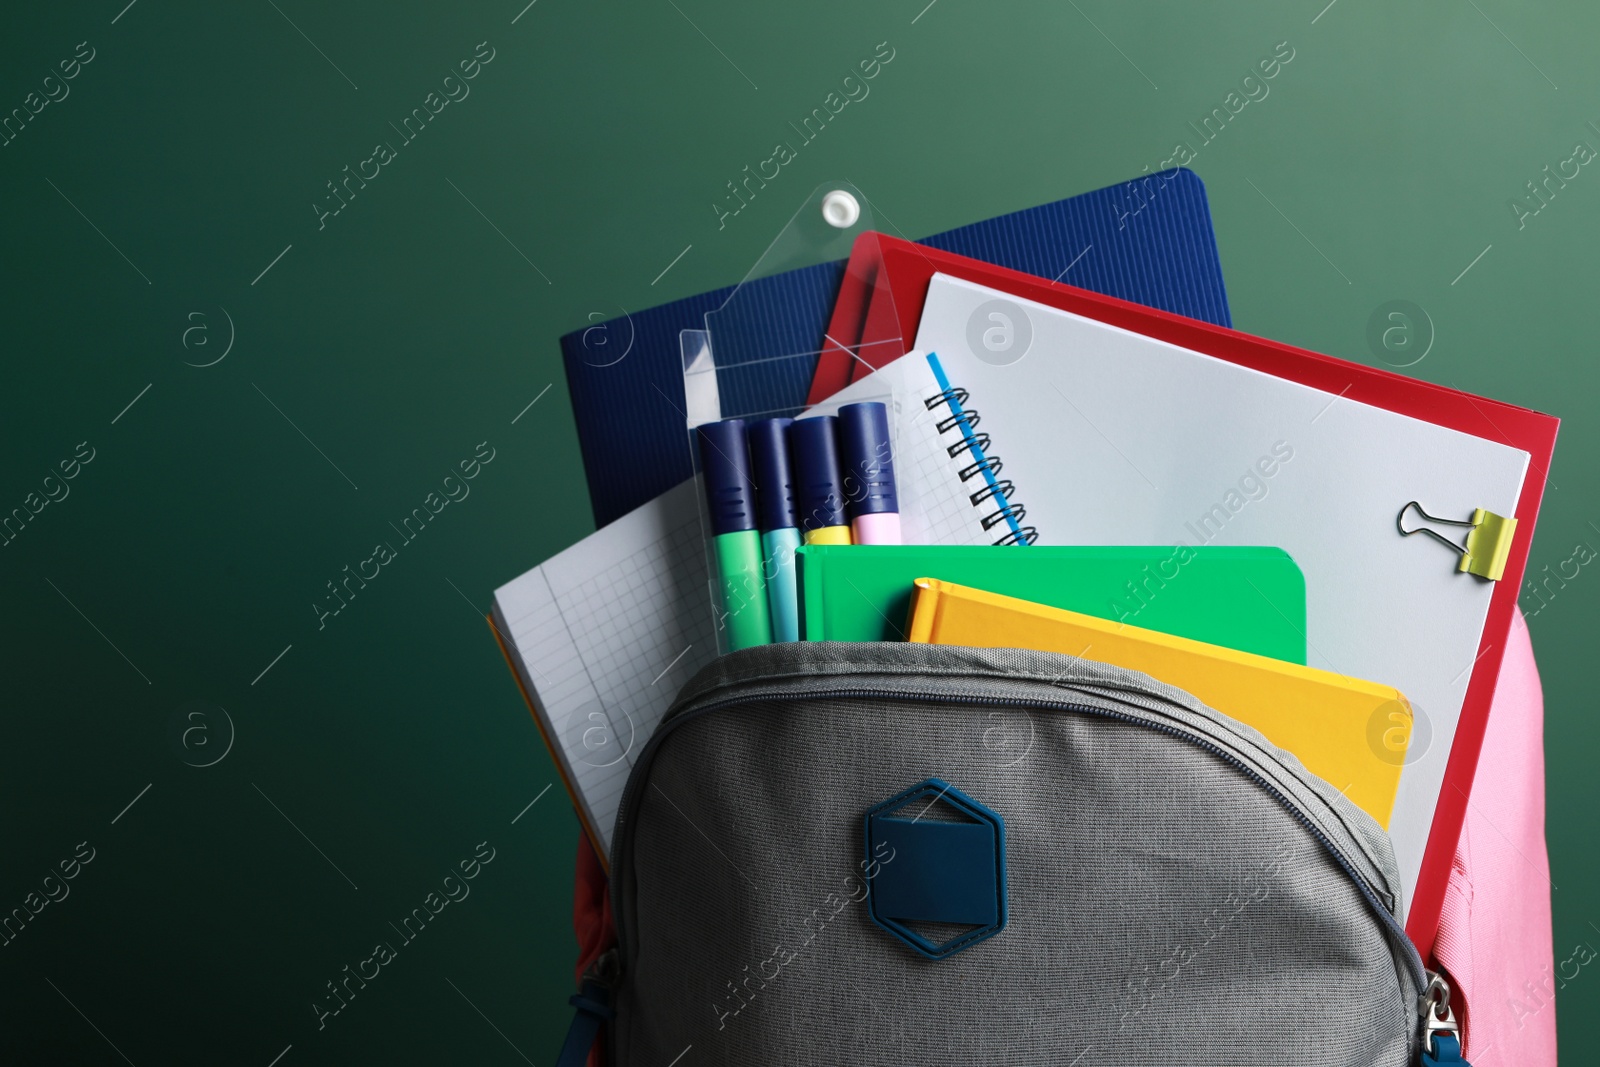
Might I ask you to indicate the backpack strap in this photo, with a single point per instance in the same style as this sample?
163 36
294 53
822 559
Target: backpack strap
594 1011
1444 1050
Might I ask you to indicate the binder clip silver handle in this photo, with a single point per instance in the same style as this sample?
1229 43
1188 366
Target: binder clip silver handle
1488 543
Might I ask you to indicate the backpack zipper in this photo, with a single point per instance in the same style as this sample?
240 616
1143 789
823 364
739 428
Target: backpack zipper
1423 980
1438 1021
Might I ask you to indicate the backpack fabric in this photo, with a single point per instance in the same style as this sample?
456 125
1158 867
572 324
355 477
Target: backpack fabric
1494 937
1175 888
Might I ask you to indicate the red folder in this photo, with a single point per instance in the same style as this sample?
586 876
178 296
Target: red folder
902 287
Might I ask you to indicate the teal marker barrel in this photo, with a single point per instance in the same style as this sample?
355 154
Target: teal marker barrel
783 595
735 541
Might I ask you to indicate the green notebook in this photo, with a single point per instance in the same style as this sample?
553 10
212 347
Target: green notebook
1250 599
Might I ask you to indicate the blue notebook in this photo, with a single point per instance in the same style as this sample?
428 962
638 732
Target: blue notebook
1158 250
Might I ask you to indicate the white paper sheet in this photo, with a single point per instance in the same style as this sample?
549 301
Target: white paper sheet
1114 438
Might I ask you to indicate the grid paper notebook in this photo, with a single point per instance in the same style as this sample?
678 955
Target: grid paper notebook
603 635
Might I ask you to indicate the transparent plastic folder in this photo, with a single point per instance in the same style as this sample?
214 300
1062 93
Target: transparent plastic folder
747 364
742 362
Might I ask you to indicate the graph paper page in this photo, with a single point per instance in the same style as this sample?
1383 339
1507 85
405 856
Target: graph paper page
606 633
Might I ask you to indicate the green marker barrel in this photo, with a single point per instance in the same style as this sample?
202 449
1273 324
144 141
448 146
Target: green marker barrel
736 542
780 534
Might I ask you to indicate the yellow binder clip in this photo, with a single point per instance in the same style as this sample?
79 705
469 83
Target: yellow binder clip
1488 543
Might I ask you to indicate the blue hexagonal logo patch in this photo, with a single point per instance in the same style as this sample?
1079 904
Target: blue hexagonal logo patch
941 857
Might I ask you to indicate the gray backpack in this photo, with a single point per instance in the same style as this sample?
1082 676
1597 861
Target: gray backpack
911 854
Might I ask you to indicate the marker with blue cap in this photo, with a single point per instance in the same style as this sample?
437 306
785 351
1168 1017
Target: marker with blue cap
870 498
736 544
818 485
780 536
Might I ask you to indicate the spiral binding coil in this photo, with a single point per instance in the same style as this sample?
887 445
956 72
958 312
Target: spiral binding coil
995 491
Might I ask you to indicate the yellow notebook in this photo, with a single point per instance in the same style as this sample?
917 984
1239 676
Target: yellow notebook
1349 732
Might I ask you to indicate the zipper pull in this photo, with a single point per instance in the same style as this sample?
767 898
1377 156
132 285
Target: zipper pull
607 968
1441 1035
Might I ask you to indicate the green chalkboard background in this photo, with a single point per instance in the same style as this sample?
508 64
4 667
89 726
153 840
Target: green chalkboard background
167 203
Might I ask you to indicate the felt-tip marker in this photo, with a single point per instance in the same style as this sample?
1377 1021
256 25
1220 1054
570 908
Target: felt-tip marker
818 485
725 461
780 536
869 492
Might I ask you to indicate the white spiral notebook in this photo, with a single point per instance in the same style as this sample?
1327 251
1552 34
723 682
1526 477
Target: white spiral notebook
1122 439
